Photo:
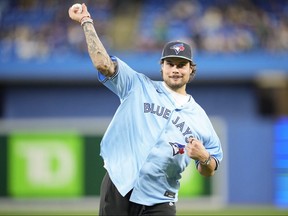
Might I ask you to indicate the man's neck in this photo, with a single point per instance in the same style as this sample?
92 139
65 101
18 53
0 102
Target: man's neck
181 91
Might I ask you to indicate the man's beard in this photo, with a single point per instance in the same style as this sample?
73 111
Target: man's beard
175 86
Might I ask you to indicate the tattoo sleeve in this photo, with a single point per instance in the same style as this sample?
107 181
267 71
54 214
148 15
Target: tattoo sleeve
97 52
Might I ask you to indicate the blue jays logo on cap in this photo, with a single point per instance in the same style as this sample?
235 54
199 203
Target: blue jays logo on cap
178 48
177 148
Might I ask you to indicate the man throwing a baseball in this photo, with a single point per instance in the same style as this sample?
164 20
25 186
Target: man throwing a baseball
157 130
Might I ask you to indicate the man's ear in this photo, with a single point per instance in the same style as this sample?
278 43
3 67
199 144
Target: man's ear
193 72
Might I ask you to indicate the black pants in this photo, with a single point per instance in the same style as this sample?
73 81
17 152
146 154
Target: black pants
113 203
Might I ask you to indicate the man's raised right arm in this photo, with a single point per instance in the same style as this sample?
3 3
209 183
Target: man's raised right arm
98 54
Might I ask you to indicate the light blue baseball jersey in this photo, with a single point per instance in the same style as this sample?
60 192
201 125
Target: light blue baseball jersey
144 146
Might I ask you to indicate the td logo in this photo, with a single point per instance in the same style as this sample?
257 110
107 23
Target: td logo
45 165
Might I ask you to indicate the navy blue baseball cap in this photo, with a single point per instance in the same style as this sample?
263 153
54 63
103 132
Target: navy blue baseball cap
177 49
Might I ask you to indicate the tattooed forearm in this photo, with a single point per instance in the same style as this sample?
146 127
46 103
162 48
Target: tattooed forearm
97 52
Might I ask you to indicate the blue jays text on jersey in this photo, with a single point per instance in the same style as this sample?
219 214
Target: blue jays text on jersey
165 113
143 146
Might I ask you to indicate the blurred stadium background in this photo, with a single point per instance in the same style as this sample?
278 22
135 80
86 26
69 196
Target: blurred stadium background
53 111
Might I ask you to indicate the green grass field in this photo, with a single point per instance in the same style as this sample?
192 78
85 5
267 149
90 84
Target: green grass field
238 211
226 211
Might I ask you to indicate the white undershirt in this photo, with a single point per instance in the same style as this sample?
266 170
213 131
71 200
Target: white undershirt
179 99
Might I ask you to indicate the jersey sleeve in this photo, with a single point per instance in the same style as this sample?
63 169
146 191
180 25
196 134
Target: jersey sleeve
214 148
205 132
123 81
213 144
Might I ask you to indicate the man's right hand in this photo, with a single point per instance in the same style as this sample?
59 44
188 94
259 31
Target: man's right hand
78 16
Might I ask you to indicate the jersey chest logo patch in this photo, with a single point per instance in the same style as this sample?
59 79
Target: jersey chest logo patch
177 148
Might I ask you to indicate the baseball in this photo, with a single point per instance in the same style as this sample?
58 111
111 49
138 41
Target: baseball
77 7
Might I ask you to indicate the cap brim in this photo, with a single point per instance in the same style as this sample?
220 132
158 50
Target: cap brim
176 56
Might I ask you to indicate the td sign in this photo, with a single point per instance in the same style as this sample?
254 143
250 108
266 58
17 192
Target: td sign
42 165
